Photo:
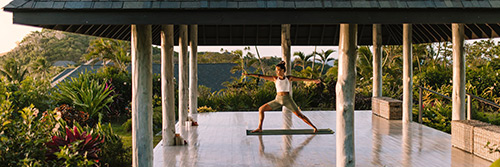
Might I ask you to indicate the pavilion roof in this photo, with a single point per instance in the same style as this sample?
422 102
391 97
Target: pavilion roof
257 22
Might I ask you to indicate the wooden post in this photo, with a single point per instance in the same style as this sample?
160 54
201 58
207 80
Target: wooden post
142 95
458 94
285 55
183 74
193 72
345 88
407 73
420 107
469 108
377 60
167 84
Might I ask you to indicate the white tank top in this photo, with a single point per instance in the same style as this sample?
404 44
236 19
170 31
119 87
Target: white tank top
282 85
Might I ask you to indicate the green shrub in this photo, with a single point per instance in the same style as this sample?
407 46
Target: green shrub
203 109
121 83
27 92
85 94
127 125
112 152
70 115
23 135
157 121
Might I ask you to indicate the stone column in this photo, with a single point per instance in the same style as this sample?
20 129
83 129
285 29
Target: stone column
285 55
167 84
142 95
407 73
193 72
377 60
183 74
458 95
345 88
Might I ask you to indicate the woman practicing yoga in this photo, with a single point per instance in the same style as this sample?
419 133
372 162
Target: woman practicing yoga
283 98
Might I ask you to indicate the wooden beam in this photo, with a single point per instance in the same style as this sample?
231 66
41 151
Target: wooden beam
458 94
257 16
346 85
407 73
142 94
167 84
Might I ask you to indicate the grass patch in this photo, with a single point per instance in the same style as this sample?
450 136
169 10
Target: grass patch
127 136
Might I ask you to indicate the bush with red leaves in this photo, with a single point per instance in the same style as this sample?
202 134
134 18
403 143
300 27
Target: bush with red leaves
84 143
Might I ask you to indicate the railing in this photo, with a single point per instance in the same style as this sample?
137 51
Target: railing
468 103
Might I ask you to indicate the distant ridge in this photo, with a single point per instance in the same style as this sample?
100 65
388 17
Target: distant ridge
4 53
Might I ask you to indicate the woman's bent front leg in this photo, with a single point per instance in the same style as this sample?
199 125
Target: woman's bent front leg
262 109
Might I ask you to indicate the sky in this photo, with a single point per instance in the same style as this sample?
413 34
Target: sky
11 34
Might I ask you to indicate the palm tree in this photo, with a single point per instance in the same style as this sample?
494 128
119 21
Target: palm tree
301 59
324 58
244 61
41 66
109 50
260 60
13 71
364 63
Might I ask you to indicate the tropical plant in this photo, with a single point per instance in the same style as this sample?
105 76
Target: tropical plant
27 92
121 83
85 94
104 50
324 58
244 62
70 115
260 60
301 59
74 146
41 67
23 135
13 70
112 153
203 109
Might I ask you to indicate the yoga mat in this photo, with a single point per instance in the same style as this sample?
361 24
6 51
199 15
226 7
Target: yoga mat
290 132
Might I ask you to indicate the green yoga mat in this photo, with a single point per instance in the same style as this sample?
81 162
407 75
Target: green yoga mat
290 132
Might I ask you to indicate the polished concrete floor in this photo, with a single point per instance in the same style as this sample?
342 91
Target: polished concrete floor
221 140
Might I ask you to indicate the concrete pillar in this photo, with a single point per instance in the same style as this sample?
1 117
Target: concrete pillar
142 95
377 60
193 72
458 94
407 73
167 84
345 88
285 55
183 74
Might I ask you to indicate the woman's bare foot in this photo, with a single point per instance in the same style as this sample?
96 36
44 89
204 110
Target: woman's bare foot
257 130
315 130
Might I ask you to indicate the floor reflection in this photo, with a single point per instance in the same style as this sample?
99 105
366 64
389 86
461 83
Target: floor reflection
221 140
186 155
406 145
288 154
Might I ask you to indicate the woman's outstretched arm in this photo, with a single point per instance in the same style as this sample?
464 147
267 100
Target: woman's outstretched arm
269 78
292 78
